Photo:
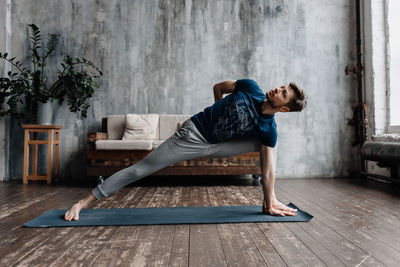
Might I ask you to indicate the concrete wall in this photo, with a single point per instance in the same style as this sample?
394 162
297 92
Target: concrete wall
5 32
164 57
3 12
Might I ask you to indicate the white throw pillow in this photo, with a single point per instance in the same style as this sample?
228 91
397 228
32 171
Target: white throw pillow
140 126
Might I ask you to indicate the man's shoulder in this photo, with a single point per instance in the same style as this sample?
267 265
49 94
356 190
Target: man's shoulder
247 81
247 85
269 136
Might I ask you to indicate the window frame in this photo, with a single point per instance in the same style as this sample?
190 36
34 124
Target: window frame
390 128
375 60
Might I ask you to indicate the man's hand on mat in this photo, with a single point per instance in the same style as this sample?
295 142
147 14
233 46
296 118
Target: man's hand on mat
277 208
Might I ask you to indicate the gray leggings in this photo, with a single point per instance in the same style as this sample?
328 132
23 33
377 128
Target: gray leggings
186 144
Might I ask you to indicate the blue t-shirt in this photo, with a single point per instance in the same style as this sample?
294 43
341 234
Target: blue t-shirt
238 115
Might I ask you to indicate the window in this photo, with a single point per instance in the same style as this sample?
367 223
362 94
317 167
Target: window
394 63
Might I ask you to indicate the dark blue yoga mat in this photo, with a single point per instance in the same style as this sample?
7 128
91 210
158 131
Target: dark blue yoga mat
173 215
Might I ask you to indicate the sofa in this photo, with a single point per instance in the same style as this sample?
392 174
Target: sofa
385 150
126 139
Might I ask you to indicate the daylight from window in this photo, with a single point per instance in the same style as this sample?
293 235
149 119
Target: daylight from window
394 46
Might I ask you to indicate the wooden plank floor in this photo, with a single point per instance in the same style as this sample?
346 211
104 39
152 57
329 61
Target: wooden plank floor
356 223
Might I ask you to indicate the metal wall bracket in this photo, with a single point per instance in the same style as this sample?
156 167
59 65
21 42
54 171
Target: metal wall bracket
353 69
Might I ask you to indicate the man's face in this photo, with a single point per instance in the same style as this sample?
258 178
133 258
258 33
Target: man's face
280 96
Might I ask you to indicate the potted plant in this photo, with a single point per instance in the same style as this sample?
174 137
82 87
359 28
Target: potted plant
23 90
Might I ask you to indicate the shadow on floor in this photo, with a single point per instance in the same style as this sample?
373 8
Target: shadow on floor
377 184
193 180
196 180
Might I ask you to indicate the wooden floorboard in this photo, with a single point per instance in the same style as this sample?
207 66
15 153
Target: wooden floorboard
111 252
248 247
18 242
205 247
355 224
359 217
232 251
336 230
70 246
137 238
180 243
288 246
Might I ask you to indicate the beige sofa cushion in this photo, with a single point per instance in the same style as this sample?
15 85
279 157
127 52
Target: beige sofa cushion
169 124
115 127
124 144
140 126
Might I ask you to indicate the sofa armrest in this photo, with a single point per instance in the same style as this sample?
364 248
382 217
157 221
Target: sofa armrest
93 137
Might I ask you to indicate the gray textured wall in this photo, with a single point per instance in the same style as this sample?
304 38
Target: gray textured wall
164 57
2 120
4 32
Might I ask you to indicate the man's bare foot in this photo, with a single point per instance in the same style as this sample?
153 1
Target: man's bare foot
73 212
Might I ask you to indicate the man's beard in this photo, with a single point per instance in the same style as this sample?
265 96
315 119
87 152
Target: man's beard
270 102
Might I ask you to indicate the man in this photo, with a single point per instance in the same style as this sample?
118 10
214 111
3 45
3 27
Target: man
241 122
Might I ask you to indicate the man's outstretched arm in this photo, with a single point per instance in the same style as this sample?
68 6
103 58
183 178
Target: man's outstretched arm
226 87
271 205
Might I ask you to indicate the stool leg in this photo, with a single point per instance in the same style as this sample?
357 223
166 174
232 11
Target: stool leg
26 157
34 155
57 156
49 155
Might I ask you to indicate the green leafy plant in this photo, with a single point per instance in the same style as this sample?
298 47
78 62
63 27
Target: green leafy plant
23 89
12 89
76 83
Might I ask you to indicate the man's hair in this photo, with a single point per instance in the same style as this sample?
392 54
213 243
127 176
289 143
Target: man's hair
299 101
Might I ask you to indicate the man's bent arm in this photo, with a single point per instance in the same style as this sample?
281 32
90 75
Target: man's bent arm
226 87
268 175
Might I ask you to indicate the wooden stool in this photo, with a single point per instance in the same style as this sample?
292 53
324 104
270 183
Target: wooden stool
50 130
